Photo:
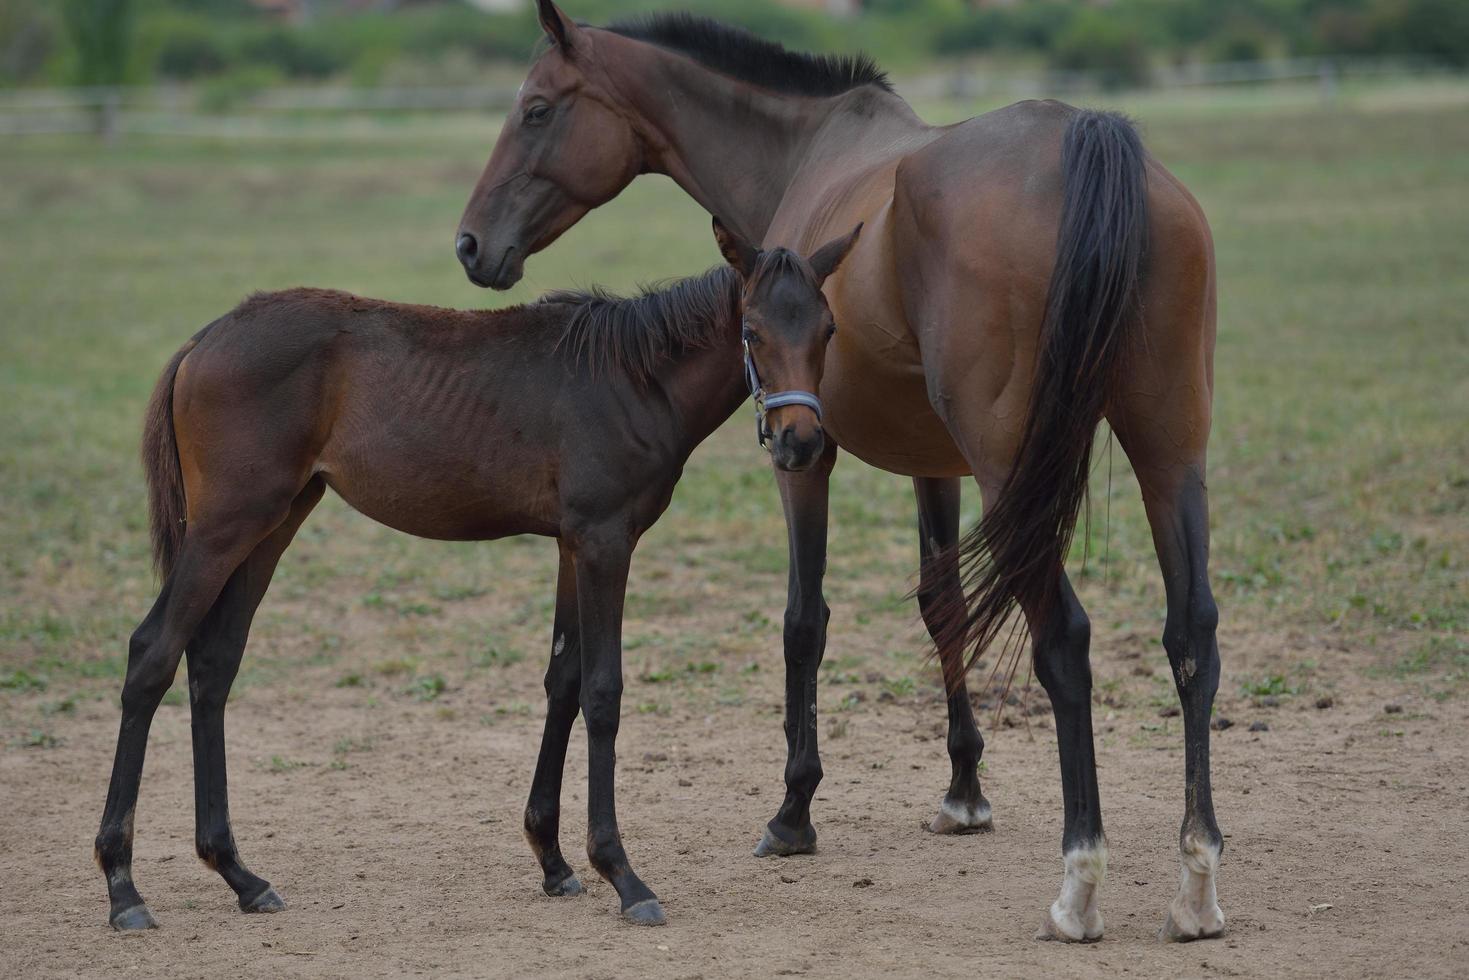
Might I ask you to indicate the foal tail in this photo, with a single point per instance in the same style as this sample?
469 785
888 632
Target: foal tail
166 508
1017 551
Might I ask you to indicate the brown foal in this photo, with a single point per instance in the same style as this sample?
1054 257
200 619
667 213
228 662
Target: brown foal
571 417
1022 275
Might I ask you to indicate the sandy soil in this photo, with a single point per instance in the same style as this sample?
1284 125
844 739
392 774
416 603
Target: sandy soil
1346 848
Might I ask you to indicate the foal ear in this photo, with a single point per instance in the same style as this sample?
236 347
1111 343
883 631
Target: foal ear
736 251
826 258
558 27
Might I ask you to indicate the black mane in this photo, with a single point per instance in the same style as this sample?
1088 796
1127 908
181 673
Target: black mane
758 61
637 333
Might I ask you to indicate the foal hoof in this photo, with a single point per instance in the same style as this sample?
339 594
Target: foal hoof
564 888
955 817
645 913
780 844
134 919
267 901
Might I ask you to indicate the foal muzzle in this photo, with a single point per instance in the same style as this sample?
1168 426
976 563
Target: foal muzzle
776 399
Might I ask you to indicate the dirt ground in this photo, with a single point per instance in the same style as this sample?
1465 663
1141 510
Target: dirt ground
1345 854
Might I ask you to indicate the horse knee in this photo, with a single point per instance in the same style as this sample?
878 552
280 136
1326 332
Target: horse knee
1062 660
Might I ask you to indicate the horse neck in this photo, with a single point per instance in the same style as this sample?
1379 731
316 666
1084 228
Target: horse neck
733 147
707 385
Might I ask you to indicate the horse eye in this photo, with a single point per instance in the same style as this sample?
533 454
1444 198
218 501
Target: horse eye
537 113
831 330
749 336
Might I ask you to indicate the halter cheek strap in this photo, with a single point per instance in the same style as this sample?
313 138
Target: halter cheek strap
777 399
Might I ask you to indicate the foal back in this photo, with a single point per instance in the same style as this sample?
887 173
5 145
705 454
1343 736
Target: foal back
430 421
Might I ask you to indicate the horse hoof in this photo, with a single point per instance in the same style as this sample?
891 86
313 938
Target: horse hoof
267 901
1052 931
564 888
772 844
1174 932
645 913
134 919
962 818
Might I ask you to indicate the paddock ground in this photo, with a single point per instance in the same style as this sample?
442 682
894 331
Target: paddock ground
384 727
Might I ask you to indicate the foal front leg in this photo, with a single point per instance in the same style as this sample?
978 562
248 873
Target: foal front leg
804 498
563 689
601 564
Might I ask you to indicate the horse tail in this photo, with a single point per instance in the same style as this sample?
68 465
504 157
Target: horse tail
1017 551
166 506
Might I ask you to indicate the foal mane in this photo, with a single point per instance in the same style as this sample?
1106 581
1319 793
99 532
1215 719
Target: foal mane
635 334
753 59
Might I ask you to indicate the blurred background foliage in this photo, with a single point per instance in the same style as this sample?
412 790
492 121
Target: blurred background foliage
251 44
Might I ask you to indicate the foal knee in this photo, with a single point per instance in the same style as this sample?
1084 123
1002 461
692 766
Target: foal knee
805 628
601 705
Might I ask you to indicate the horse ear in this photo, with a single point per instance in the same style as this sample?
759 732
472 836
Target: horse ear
558 27
736 251
826 258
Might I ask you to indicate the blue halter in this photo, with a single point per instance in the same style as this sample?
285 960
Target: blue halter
778 399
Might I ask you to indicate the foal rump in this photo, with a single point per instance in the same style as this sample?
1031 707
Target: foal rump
161 468
1015 554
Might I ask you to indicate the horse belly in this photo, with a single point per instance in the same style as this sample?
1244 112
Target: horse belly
873 391
449 498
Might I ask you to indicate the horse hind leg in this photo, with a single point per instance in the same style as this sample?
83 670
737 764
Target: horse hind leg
214 656
964 809
1062 643
1178 511
205 563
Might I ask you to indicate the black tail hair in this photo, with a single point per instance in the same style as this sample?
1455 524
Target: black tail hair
1016 553
166 505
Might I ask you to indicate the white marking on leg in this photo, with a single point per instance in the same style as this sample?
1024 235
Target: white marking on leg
1194 912
1074 914
559 645
956 818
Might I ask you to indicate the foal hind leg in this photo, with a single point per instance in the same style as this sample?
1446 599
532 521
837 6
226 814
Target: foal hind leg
964 809
1178 510
213 661
204 564
563 691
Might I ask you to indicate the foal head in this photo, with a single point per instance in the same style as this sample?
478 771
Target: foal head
786 326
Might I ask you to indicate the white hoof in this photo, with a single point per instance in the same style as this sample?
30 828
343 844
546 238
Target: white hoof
1194 912
1074 915
960 818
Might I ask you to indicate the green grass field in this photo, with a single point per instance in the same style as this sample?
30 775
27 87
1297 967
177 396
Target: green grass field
1339 466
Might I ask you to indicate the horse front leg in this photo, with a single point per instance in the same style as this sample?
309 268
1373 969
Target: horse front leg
804 498
563 690
601 563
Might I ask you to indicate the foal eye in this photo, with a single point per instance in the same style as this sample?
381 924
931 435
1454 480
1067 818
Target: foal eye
537 114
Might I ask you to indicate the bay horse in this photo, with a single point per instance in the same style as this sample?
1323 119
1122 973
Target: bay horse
1024 274
571 417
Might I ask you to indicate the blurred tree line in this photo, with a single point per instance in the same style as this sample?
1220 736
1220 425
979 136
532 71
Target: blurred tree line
235 44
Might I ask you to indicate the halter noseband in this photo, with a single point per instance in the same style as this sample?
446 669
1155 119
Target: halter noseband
778 399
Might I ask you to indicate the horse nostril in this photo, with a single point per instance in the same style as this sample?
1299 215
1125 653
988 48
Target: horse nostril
467 247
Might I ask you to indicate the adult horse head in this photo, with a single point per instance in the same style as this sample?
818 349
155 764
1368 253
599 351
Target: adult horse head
565 148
